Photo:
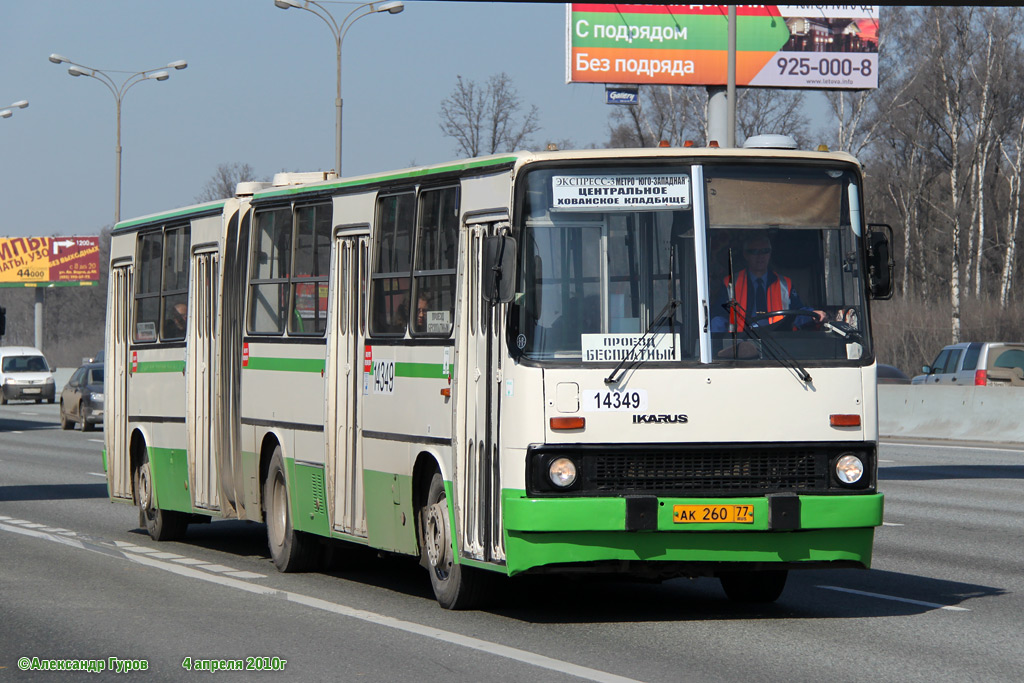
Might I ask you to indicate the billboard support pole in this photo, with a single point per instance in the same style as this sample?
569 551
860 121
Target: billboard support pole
39 317
730 130
722 101
717 114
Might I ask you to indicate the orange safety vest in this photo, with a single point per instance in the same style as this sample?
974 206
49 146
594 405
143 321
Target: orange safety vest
777 297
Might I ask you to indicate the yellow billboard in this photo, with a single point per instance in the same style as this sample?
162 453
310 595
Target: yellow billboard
49 261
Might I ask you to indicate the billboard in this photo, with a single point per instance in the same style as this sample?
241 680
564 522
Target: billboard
49 261
777 46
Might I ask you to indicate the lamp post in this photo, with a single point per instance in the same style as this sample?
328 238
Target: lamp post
118 91
339 29
6 112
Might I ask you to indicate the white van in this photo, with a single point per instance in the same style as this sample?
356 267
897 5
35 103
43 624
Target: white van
25 375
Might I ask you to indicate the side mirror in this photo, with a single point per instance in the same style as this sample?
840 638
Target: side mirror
499 270
926 369
880 263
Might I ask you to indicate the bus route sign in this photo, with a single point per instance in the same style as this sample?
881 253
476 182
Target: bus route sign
777 46
49 261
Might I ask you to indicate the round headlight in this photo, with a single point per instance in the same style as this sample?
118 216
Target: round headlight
849 469
562 472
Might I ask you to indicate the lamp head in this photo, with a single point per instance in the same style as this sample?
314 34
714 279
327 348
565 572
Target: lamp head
58 59
76 71
287 4
5 114
159 76
20 104
179 64
393 7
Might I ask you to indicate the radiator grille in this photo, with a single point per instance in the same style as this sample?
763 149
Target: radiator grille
707 471
698 469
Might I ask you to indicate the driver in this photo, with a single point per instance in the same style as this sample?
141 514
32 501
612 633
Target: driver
759 289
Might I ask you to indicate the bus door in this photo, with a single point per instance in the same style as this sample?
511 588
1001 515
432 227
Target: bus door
201 354
344 384
477 474
119 321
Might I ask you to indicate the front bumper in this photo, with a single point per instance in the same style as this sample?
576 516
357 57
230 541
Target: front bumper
582 532
30 392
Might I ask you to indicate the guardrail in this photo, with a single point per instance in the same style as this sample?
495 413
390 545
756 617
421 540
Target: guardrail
958 413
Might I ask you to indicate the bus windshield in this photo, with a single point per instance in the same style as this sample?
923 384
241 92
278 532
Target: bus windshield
608 253
603 252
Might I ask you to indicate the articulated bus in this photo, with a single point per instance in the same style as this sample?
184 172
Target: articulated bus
516 364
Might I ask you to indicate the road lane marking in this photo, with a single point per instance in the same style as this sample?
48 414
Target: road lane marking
896 599
97 474
891 524
469 642
978 447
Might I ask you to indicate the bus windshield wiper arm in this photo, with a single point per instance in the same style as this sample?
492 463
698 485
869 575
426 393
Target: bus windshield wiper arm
779 353
667 311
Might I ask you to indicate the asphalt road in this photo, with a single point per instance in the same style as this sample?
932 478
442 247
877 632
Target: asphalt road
80 584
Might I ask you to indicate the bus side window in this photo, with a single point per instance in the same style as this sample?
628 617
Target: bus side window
310 270
174 299
389 281
436 255
147 290
271 260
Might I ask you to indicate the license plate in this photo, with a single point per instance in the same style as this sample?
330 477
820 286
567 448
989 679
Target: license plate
713 514
31 391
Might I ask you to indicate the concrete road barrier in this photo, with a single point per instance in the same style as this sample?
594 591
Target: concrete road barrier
959 413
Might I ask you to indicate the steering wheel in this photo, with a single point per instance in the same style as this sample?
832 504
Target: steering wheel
788 315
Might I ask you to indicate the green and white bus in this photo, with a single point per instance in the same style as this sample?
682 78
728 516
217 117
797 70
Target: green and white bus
525 363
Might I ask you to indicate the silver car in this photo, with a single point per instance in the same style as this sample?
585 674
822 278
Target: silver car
976 364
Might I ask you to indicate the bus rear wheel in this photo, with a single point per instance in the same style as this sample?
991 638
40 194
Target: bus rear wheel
754 586
456 586
162 525
291 550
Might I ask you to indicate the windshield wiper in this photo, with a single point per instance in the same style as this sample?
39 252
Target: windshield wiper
776 351
668 310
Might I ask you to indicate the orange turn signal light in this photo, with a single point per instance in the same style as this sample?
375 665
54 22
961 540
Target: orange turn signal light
446 392
844 420
568 422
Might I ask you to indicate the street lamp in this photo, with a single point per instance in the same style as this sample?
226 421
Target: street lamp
6 112
118 91
339 29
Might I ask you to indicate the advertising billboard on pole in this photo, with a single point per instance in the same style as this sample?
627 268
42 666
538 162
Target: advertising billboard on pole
49 261
777 46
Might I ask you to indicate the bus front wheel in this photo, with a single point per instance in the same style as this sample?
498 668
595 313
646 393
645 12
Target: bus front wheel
456 586
754 586
162 525
290 550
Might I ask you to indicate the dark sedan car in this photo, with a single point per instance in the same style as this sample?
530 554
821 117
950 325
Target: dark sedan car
888 374
81 401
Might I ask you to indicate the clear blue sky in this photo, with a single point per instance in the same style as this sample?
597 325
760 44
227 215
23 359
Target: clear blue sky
259 89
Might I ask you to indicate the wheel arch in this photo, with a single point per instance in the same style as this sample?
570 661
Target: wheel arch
271 441
136 450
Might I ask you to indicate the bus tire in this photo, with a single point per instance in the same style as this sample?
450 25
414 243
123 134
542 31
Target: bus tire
456 586
162 525
754 586
291 550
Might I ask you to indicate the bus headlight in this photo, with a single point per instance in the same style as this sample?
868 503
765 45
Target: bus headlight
562 472
849 469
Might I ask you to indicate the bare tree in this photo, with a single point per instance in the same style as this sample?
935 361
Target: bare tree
677 113
672 113
223 181
487 119
767 110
